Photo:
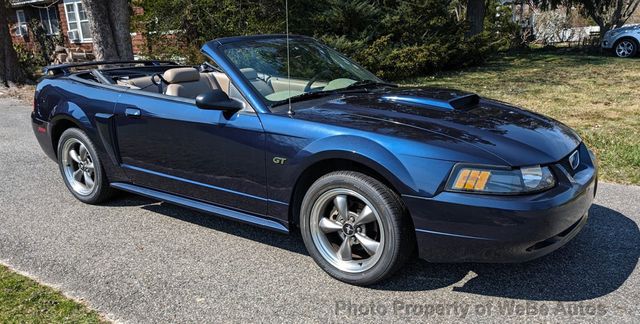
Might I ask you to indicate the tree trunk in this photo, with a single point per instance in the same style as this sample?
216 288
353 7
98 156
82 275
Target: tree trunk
603 30
10 71
120 21
605 24
475 16
109 24
104 46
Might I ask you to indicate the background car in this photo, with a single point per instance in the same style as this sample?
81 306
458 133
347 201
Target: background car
624 41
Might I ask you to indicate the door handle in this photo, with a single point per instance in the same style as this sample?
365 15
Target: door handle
132 112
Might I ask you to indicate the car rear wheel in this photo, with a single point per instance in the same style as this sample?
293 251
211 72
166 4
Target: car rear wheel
355 227
81 168
626 48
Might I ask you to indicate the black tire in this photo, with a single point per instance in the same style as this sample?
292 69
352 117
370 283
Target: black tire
399 236
101 191
634 50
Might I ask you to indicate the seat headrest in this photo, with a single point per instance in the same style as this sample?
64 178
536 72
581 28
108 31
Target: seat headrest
179 75
249 73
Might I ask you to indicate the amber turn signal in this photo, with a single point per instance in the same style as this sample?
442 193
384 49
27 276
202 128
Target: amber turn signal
472 180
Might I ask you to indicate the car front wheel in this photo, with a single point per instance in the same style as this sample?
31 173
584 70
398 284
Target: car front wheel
626 48
81 168
355 227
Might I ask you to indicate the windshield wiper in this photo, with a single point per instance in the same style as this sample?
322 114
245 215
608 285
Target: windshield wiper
367 83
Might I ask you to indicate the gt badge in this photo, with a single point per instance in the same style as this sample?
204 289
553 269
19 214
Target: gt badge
279 160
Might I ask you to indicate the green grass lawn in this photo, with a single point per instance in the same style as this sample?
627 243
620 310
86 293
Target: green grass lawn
599 96
23 300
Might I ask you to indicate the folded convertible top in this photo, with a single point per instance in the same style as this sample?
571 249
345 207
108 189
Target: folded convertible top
65 68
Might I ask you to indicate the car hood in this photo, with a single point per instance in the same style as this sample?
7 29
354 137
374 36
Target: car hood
516 136
626 28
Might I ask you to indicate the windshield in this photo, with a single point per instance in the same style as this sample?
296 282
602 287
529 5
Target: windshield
314 68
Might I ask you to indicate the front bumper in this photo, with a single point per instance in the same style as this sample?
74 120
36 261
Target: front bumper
462 227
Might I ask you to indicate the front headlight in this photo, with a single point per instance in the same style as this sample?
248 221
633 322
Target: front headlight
500 180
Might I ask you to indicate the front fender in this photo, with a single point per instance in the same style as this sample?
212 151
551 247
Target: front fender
357 149
408 174
614 40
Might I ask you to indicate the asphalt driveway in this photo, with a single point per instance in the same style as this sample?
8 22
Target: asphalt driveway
138 260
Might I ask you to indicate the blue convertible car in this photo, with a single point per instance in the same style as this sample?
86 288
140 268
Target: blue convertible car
287 134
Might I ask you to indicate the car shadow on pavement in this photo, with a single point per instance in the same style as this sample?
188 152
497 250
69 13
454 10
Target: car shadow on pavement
123 199
292 243
595 263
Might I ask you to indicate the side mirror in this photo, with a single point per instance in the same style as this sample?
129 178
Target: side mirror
217 100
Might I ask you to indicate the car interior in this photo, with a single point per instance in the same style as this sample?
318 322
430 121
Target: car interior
178 81
186 82
189 82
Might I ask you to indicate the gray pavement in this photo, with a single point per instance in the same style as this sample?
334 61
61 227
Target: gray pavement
137 260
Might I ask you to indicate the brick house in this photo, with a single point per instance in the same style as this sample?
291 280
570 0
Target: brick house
62 18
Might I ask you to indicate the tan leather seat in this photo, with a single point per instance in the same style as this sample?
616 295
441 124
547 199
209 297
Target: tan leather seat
140 83
188 82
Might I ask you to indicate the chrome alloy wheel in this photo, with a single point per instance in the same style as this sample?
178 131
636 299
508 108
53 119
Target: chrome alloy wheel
347 230
78 167
625 48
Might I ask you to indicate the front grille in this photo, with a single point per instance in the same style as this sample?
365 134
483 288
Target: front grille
567 166
552 240
581 155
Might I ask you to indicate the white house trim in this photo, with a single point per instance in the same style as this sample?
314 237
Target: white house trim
76 19
21 23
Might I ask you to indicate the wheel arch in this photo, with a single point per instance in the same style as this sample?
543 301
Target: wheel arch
331 163
59 124
346 153
627 37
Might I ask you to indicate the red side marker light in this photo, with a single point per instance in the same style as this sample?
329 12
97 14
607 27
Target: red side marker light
41 129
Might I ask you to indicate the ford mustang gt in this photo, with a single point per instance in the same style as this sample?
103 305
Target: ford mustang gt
287 134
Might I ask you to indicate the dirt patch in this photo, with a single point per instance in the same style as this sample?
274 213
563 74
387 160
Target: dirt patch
23 93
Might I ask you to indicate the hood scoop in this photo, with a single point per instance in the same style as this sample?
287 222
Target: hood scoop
461 102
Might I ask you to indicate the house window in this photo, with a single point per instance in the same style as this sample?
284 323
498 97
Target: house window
49 19
77 21
22 23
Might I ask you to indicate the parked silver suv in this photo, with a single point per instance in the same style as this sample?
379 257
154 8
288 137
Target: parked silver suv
624 40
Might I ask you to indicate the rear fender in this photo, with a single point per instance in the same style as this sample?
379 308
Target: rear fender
64 113
98 127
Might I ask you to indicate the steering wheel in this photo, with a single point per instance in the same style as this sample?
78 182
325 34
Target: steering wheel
307 88
160 81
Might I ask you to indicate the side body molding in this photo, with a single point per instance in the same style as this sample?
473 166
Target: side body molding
105 124
204 207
